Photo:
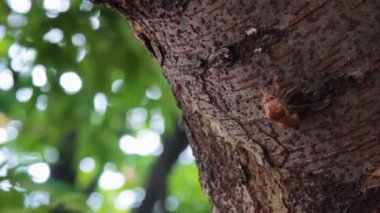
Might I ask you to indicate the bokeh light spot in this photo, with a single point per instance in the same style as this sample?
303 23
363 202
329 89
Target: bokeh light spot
40 172
136 117
153 92
24 94
78 39
110 180
6 80
16 20
20 6
3 135
5 185
171 203
54 7
186 157
39 77
147 142
42 102
100 103
125 200
116 85
87 164
95 201
70 82
51 154
36 199
54 36
157 123
2 32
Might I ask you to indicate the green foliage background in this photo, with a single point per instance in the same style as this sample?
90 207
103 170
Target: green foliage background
111 54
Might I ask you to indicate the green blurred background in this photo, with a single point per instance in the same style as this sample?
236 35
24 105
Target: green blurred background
84 113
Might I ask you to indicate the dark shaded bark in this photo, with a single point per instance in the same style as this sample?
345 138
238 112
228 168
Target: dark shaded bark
157 181
221 56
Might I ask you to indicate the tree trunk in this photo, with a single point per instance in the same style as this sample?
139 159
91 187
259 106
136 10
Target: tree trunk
280 98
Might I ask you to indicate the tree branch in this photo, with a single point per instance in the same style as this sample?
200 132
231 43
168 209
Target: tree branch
156 184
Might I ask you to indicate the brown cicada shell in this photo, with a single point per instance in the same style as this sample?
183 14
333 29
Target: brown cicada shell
277 109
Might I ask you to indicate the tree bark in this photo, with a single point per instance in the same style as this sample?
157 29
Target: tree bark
220 57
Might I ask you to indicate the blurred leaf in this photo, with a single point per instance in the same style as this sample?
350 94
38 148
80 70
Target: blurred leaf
109 61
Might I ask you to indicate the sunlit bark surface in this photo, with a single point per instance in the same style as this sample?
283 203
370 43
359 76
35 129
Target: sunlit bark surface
219 56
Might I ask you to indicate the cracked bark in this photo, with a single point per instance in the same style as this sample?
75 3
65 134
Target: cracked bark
219 55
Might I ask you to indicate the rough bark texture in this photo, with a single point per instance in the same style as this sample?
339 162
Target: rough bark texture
219 55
